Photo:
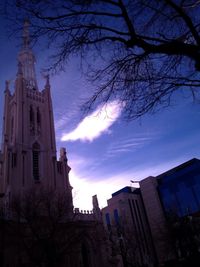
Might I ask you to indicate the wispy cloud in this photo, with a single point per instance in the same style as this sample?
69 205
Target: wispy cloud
129 144
96 123
60 122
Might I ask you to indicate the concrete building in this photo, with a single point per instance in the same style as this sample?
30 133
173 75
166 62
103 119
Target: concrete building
125 220
38 224
156 219
139 219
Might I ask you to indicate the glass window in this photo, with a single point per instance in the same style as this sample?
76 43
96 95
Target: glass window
107 216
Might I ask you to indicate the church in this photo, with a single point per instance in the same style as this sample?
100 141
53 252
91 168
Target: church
38 224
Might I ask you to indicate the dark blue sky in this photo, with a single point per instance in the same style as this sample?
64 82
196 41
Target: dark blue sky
104 152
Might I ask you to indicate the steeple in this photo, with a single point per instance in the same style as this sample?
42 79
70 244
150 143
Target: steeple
29 146
27 59
25 35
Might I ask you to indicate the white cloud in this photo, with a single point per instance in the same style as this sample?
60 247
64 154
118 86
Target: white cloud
128 144
96 123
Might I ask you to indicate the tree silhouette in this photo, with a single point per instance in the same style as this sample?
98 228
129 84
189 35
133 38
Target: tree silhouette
125 242
185 235
41 232
144 50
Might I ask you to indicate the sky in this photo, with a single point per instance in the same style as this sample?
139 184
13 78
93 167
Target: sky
104 151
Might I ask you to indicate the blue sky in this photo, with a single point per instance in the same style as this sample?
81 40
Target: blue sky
104 152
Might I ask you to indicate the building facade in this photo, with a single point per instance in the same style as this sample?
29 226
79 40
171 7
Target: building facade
38 224
179 188
125 220
28 159
171 201
158 223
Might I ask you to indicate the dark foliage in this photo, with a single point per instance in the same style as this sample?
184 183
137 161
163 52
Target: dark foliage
38 230
186 236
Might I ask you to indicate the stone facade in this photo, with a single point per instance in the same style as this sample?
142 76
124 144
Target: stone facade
125 220
29 147
38 224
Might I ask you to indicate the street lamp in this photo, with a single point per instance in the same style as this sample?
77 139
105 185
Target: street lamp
132 181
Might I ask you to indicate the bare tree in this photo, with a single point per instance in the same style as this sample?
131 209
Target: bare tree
186 236
125 243
42 227
42 232
145 50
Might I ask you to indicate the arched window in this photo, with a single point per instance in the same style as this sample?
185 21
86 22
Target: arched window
38 116
36 165
12 128
38 121
31 114
32 120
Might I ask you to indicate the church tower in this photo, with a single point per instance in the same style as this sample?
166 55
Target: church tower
28 164
28 153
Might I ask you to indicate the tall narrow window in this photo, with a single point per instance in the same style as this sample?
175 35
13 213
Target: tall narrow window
108 221
36 165
31 114
14 160
12 129
32 120
38 121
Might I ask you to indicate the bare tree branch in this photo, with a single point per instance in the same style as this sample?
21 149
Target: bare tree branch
144 50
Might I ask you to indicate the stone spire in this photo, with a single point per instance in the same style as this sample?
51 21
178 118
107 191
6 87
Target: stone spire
27 59
25 35
96 209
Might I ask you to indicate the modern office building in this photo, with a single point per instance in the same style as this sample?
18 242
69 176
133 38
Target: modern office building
174 192
179 188
144 216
